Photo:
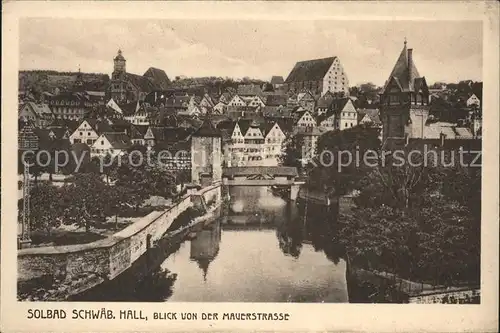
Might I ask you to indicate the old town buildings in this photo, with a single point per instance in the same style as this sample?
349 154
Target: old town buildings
247 122
127 87
319 76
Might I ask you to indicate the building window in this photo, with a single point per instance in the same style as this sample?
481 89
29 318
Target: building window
393 99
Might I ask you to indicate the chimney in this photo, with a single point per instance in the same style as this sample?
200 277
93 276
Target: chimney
410 67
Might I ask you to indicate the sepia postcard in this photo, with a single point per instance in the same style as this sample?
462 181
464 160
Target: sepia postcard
247 166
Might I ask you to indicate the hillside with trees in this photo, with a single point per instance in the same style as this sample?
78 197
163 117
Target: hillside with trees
49 80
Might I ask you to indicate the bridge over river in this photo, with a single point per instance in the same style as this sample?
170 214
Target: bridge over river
263 176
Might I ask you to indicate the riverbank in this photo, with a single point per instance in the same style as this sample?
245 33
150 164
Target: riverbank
58 272
381 287
152 284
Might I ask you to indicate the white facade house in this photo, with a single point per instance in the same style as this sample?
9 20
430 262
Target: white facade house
85 133
306 119
329 123
237 101
272 145
342 114
220 108
336 79
473 100
254 144
140 117
347 116
112 144
256 101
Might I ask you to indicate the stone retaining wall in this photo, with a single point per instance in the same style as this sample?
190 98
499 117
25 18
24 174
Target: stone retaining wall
448 297
106 257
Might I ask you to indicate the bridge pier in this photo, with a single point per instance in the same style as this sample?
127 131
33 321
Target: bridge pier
294 191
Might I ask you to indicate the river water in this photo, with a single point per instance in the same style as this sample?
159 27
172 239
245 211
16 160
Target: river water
261 249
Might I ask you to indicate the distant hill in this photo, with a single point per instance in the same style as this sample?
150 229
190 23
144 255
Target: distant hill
211 84
49 80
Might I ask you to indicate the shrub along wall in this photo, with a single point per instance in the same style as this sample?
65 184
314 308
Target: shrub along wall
107 257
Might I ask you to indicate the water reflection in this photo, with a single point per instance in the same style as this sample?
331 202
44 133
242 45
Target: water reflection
262 249
313 225
205 247
266 250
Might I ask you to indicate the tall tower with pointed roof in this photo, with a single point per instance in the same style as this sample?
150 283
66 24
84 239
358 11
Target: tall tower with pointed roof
404 100
119 68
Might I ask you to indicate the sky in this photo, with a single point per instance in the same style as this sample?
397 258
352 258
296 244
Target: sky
446 51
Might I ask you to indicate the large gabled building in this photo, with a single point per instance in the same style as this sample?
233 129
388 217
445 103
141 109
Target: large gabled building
318 76
127 87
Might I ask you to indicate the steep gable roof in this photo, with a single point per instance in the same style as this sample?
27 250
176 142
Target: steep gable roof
144 83
158 76
372 114
310 70
138 131
401 74
207 129
118 140
336 106
244 125
249 89
98 126
41 110
326 100
277 80
276 100
128 109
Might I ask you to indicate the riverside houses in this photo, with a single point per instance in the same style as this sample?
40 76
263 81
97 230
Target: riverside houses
254 143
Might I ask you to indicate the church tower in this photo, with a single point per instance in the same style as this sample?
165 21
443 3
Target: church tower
119 68
404 101
78 85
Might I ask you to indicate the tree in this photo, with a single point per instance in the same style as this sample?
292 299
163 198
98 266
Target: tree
291 154
420 222
117 199
340 162
45 209
84 200
289 235
133 175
